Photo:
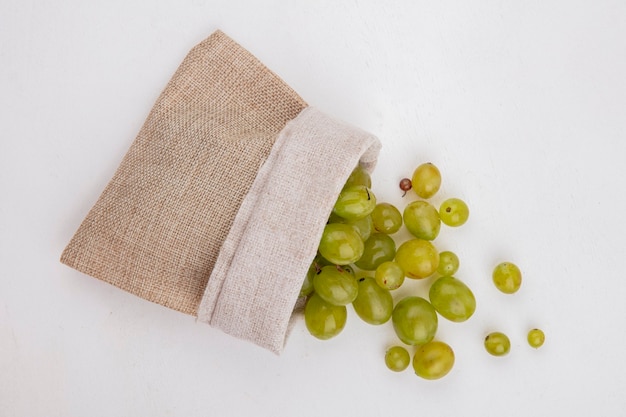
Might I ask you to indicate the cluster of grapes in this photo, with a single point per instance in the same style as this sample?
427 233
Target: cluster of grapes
357 237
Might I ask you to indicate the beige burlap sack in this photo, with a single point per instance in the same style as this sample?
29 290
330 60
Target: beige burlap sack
218 206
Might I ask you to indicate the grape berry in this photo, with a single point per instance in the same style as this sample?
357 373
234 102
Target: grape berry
405 185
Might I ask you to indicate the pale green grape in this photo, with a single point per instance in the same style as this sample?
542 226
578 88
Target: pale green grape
414 320
359 176
426 180
507 277
536 338
322 319
452 299
448 263
355 202
373 303
497 344
397 358
341 244
377 249
386 218
418 258
389 275
336 285
454 212
307 284
433 360
422 220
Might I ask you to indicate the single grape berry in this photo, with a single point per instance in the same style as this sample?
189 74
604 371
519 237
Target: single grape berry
448 263
336 285
397 358
418 258
422 220
507 277
414 320
497 344
386 218
405 185
355 202
389 275
426 180
452 299
373 303
536 337
341 244
322 319
454 212
433 360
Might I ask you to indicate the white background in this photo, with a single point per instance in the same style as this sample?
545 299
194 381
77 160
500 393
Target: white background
521 104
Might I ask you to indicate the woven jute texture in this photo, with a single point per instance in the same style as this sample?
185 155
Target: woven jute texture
157 228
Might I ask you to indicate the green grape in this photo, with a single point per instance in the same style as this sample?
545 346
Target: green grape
448 263
373 303
359 176
322 319
418 258
364 226
414 320
497 344
433 360
422 220
397 358
336 285
536 338
307 284
507 277
386 218
389 275
341 244
452 299
454 212
377 249
355 202
426 180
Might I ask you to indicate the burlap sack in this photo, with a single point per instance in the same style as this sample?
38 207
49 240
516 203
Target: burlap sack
218 206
